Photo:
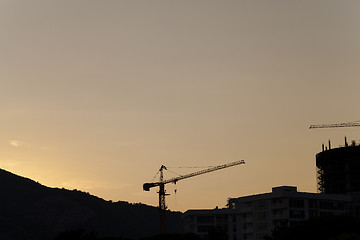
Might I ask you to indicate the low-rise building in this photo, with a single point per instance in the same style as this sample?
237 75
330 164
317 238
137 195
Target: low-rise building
201 222
255 216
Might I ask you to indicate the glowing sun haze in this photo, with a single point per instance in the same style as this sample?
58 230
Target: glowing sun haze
97 95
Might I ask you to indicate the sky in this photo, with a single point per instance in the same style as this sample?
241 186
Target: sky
97 95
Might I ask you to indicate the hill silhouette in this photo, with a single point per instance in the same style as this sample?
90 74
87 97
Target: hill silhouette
31 211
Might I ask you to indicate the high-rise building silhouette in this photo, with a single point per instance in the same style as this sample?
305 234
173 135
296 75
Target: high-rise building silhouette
338 172
339 169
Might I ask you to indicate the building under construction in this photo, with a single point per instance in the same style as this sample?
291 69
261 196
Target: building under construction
338 169
338 172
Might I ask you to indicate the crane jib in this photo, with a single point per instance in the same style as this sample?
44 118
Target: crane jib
335 125
147 186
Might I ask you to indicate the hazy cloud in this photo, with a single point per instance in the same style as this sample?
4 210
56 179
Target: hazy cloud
16 143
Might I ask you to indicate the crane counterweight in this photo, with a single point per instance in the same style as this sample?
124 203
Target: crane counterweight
147 186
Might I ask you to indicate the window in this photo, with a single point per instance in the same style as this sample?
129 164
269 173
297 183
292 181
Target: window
297 214
203 228
221 218
296 203
205 219
312 204
261 215
292 223
262 226
330 205
261 205
313 213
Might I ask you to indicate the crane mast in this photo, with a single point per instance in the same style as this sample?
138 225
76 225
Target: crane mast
161 184
335 125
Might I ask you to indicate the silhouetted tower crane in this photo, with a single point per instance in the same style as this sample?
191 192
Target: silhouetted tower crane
334 125
161 183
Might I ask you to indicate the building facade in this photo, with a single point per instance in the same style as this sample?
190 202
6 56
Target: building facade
254 217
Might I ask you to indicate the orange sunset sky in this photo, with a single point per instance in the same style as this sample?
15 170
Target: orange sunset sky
97 95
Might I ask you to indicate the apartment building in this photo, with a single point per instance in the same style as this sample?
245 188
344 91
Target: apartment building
253 217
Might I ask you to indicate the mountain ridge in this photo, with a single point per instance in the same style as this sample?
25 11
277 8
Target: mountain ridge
32 211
